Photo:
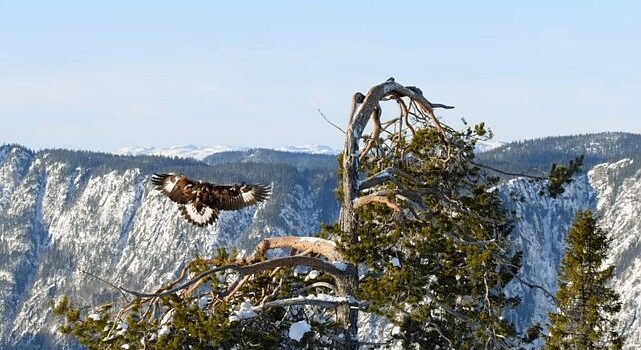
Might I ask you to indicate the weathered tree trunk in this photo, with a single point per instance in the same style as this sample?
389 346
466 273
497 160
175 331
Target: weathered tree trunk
364 109
346 316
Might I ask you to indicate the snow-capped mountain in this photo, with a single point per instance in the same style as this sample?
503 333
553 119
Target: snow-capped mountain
200 153
181 151
65 212
488 145
309 148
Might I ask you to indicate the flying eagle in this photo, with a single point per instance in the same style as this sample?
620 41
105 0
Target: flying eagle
200 202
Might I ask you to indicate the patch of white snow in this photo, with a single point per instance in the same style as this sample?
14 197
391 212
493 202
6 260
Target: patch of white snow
298 329
245 311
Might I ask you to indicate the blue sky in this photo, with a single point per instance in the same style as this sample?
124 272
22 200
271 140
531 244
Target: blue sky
102 75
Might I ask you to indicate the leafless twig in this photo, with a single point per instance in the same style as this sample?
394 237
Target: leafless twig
329 121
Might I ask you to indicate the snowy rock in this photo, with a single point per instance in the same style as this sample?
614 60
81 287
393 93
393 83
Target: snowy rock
613 191
309 148
200 153
487 145
121 329
167 318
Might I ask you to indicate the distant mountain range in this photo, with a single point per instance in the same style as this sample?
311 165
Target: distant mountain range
201 152
484 146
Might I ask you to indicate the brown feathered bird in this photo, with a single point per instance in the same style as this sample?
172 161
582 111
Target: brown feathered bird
200 202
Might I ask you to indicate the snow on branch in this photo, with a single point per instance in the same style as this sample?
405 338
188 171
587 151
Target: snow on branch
322 300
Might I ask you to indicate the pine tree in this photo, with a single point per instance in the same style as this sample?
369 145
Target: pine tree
438 273
586 306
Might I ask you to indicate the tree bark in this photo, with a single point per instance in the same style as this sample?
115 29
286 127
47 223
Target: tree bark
364 110
314 245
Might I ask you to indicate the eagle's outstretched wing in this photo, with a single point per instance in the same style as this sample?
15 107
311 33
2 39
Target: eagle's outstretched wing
175 186
235 197
200 202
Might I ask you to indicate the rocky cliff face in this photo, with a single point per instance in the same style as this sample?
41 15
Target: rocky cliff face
619 205
613 191
58 220
541 225
60 216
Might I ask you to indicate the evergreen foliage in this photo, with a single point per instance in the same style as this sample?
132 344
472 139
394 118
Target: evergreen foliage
440 279
198 324
561 175
586 305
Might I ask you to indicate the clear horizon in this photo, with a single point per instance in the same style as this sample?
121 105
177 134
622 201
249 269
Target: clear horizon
102 76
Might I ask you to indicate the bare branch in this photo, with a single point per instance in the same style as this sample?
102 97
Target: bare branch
330 122
234 287
320 246
470 243
376 132
316 285
243 271
273 294
387 174
377 179
507 172
372 198
185 285
532 285
119 289
324 302
315 263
